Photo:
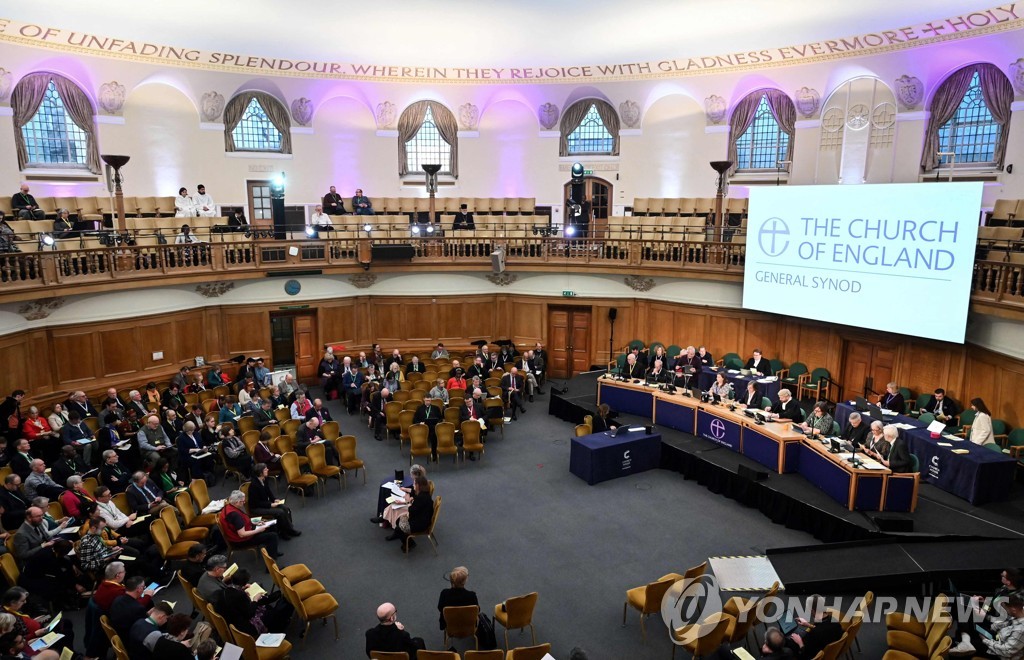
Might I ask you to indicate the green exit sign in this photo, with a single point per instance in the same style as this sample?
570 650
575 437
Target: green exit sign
588 171
569 294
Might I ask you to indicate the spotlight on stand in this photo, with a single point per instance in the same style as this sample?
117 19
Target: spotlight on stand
115 163
311 231
367 227
46 241
570 231
416 230
430 229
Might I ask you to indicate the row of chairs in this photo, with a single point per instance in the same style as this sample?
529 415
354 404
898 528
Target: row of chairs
95 208
536 652
928 638
1007 212
476 205
685 206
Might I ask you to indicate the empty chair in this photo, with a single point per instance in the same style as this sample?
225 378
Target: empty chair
647 599
517 612
538 652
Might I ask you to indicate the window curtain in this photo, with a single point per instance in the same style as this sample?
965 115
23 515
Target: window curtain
276 113
410 122
785 114
945 103
998 95
740 120
28 96
610 118
571 120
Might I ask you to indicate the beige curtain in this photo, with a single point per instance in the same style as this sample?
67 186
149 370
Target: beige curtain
571 120
998 94
610 118
785 114
409 124
944 105
276 113
28 96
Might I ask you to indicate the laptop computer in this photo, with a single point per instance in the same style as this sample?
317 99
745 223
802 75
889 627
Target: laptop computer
876 413
861 404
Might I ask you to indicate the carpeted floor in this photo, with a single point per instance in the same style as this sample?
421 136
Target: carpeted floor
520 522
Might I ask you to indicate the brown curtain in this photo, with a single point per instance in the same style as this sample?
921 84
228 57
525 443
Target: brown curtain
409 124
944 105
28 96
571 120
740 120
785 114
998 95
276 113
610 118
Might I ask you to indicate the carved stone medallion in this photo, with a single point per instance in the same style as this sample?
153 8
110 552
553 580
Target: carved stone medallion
909 92
469 117
807 102
629 112
211 106
385 115
302 111
714 109
112 95
548 115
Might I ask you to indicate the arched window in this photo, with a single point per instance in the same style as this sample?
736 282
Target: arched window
53 124
428 134
589 127
256 121
969 116
761 131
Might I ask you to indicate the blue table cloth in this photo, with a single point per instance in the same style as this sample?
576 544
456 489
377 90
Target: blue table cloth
599 457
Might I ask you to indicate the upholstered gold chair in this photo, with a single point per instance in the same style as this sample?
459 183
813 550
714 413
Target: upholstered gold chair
461 622
252 652
346 448
517 612
169 515
218 623
295 479
331 430
436 655
389 655
529 652
428 532
405 418
446 445
583 429
169 551
286 443
318 465
419 442
941 652
494 411
647 600
703 638
321 606
493 654
471 441
9 569
296 573
246 424
392 411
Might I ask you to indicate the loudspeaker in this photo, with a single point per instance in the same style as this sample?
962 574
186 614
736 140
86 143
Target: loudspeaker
397 252
612 313
751 474
893 524
498 261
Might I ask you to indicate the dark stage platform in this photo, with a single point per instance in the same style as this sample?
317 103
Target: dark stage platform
945 536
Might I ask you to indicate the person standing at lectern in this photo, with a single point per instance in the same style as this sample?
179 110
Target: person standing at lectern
334 204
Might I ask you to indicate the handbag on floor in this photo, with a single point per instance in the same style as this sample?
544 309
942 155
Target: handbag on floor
485 633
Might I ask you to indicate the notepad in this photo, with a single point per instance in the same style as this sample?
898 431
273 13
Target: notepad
214 506
270 640
255 591
71 530
46 641
944 444
205 454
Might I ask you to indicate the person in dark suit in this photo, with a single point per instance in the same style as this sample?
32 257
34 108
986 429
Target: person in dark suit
67 465
377 403
687 359
463 219
171 645
319 411
603 421
823 630
262 499
752 399
657 373
264 416
632 368
892 399
142 629
414 367
21 460
942 407
478 368
758 364
899 459
786 408
774 647
112 474
457 595
856 431
126 608
429 415
473 408
512 385
705 357
189 446
311 432
334 204
390 636
640 357
14 503
25 205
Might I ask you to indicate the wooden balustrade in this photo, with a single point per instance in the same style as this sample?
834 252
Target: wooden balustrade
25 273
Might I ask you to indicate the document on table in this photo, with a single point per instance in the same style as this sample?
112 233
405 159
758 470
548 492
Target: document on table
863 463
936 427
961 451
394 488
270 640
904 426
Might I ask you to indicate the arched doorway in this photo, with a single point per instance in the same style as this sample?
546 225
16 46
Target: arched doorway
600 193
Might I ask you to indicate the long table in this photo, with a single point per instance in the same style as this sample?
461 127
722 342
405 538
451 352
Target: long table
979 476
706 377
774 445
599 456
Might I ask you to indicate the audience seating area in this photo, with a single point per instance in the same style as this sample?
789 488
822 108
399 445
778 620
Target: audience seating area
1007 212
686 206
96 208
475 205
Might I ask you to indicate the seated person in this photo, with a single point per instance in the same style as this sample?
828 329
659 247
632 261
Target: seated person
415 517
463 219
415 367
203 203
238 529
183 205
457 381
264 503
512 385
361 204
941 407
390 636
112 474
705 357
185 235
758 364
311 433
658 373
786 408
144 496
603 422
440 351
874 440
721 389
752 399
822 630
632 368
892 399
457 595
378 402
333 203
237 220
899 459
439 391
819 422
318 219
25 205
268 612
856 431
63 227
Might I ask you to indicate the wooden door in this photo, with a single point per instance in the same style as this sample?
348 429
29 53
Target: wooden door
568 341
866 366
261 213
307 348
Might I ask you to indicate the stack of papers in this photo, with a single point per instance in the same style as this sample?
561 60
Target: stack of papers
862 462
905 427
214 506
886 411
961 451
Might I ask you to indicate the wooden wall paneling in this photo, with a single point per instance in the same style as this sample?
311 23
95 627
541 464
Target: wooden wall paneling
419 320
725 336
762 333
815 342
528 318
452 318
156 335
39 361
78 353
213 340
927 366
625 329
246 332
338 323
119 351
189 339
386 321
15 357
691 329
661 324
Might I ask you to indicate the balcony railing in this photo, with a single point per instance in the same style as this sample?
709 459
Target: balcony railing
35 274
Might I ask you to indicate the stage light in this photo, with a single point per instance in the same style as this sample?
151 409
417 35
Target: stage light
430 229
577 170
367 227
416 229
46 241
248 233
570 231
311 231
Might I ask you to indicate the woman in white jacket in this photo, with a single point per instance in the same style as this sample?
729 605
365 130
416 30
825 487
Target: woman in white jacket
981 427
